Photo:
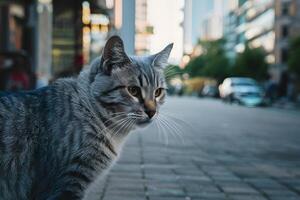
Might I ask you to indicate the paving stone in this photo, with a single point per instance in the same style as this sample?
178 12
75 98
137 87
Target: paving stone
247 197
274 193
125 193
239 190
208 195
285 198
168 198
165 192
201 188
248 159
120 197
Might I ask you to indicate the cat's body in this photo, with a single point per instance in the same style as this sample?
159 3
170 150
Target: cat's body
46 121
55 141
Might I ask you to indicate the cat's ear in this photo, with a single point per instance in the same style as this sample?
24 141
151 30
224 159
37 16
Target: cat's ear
113 55
161 59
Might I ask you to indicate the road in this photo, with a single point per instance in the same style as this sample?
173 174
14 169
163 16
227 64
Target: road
220 151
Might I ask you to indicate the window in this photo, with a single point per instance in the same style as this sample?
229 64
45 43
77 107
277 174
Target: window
284 31
285 9
284 55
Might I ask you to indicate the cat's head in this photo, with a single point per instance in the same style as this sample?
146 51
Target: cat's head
132 87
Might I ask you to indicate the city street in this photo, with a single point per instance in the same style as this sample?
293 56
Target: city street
223 152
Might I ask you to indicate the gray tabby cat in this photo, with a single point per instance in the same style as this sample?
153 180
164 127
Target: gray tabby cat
56 141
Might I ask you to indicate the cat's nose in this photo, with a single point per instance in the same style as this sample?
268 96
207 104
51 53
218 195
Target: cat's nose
150 113
150 108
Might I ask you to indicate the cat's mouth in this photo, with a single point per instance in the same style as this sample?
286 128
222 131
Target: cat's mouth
144 122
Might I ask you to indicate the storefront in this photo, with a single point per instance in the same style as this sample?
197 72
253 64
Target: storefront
80 29
25 42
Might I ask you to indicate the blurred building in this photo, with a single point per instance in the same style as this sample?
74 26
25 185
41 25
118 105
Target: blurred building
195 12
143 28
166 17
125 12
268 24
60 37
25 27
213 24
250 22
287 26
80 28
203 20
212 27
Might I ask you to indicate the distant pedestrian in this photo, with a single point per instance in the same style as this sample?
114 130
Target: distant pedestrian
271 90
18 79
283 84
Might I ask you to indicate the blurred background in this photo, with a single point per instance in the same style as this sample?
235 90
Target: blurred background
230 128
41 40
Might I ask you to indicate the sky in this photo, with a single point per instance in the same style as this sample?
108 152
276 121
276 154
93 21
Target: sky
166 17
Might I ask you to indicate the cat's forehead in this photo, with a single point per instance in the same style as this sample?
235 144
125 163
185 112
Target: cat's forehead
140 72
143 62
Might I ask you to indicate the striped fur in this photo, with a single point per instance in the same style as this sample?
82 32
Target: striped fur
56 141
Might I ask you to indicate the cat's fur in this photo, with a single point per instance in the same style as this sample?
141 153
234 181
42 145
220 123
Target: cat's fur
55 141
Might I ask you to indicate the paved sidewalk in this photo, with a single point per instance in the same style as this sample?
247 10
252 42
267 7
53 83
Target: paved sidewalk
231 152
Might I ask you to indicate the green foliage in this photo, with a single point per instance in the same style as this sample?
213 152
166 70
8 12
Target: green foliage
212 63
251 63
195 66
217 64
294 56
172 71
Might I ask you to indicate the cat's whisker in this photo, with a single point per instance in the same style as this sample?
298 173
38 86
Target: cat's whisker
179 121
174 128
176 123
110 129
123 114
161 130
120 124
113 118
158 129
164 132
120 127
175 118
126 126
171 72
175 132
170 129
179 129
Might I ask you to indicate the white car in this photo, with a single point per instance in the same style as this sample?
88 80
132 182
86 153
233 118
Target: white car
244 91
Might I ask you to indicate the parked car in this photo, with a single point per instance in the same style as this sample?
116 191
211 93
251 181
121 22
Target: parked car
245 91
210 91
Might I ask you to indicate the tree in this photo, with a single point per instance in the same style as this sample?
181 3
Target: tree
212 63
251 63
217 64
172 71
294 56
194 67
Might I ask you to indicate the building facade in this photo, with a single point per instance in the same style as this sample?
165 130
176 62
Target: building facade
195 13
251 22
287 26
25 27
143 28
263 23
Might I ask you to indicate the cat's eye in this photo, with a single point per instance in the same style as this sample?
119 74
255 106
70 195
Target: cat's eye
134 90
158 92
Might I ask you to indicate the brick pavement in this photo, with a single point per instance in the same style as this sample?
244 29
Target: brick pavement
211 161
